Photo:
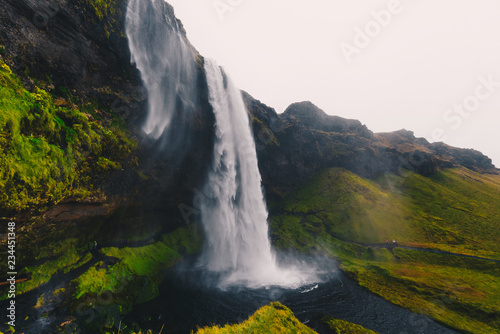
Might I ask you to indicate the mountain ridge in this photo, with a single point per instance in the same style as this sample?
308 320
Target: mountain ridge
303 140
145 193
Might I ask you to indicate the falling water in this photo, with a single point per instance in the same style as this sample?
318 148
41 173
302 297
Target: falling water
235 215
164 59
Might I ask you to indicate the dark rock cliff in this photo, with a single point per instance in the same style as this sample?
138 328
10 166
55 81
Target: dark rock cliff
294 146
81 47
72 44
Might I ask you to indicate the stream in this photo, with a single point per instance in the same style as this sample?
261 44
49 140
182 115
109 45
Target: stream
184 305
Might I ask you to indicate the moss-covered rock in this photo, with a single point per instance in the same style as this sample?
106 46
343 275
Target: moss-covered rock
50 152
273 318
345 327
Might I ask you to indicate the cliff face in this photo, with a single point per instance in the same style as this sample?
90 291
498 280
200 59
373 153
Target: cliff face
79 47
77 51
304 140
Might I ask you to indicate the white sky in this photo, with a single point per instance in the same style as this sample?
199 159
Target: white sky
428 58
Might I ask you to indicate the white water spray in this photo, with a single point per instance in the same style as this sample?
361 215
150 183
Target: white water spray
164 59
235 215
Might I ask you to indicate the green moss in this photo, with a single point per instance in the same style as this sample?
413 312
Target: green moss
140 267
274 318
41 274
186 240
145 261
103 8
50 152
345 327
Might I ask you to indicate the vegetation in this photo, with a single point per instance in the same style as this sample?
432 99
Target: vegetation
43 273
274 318
103 8
57 258
50 149
454 210
277 318
141 267
147 262
456 291
105 12
345 327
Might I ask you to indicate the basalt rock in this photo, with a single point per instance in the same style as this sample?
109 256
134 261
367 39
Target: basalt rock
294 146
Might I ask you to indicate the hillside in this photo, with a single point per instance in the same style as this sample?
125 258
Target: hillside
453 211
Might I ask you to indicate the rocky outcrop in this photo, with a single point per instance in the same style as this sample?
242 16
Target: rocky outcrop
78 46
294 146
313 117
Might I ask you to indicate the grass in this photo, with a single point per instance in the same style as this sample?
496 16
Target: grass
345 327
455 210
142 263
273 318
146 265
277 318
444 288
49 149
112 288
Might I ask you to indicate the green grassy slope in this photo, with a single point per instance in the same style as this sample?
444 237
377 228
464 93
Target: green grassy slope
456 210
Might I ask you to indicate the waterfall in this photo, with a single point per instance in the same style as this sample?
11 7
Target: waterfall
165 61
234 216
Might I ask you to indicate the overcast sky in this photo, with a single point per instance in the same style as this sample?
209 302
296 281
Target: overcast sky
432 67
